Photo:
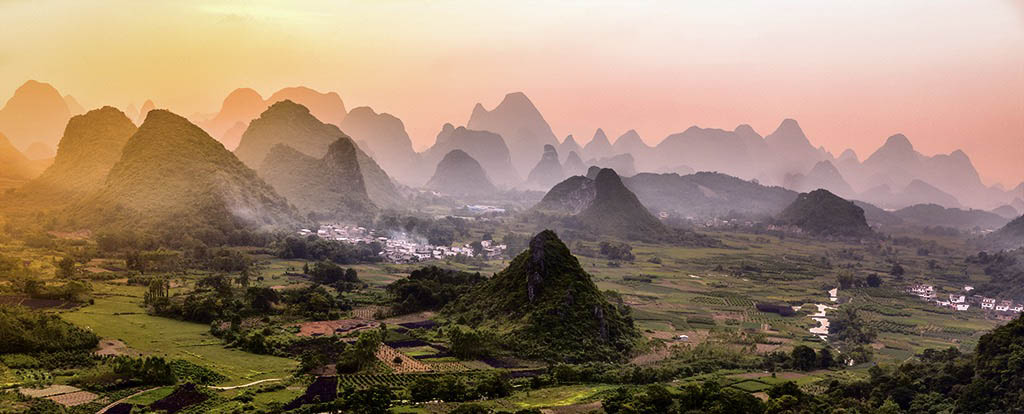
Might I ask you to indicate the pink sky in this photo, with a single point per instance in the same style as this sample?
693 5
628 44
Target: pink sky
948 74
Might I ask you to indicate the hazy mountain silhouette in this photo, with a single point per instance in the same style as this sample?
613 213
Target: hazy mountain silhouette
39 151
545 306
622 163
548 170
287 123
92 144
243 105
823 175
36 113
598 147
631 143
146 107
897 164
520 124
460 175
935 215
708 195
488 148
822 213
1007 211
292 125
74 108
573 165
569 145
916 192
174 178
604 205
327 107
707 150
17 169
328 188
384 137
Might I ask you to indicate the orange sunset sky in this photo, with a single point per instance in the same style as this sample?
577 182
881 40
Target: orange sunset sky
948 74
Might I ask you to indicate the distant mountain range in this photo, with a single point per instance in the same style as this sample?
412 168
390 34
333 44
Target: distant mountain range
602 204
548 170
36 113
329 188
459 174
175 181
520 124
294 126
487 148
243 105
384 138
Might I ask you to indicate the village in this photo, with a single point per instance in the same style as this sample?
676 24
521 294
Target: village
964 301
401 248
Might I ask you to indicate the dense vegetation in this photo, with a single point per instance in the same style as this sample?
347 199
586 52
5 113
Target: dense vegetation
23 331
545 306
430 288
822 213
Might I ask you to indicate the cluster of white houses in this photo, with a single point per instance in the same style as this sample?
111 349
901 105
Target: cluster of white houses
964 301
402 249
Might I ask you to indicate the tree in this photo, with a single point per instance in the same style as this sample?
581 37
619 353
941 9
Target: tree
874 280
847 325
373 400
825 359
804 358
66 268
897 271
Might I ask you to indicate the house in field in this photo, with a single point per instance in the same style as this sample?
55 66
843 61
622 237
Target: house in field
957 298
988 303
968 289
1018 308
1004 306
925 292
962 306
943 303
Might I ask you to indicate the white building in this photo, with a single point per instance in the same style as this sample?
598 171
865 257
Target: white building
1004 306
988 303
957 298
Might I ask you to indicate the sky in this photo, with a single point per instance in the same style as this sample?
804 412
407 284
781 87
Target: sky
949 74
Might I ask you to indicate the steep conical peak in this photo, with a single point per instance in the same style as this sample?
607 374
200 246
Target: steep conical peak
600 136
549 152
459 173
146 107
849 154
630 135
898 142
822 213
790 131
569 140
73 106
517 102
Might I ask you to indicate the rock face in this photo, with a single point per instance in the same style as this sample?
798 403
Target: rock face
290 124
36 113
92 144
602 204
520 124
461 175
598 147
175 180
330 188
486 147
822 213
384 137
548 171
547 307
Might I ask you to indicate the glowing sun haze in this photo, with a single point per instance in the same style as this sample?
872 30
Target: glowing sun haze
948 74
